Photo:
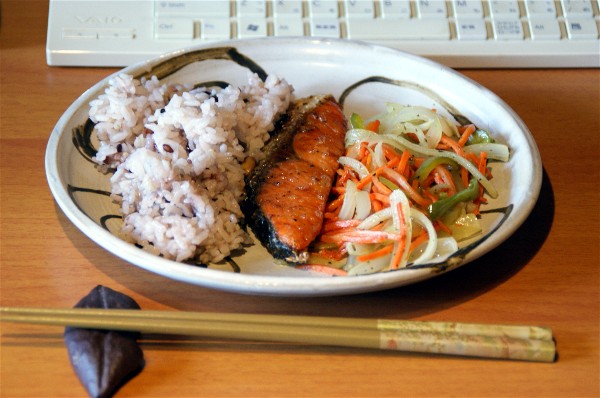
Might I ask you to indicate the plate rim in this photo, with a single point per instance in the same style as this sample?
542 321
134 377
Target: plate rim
288 286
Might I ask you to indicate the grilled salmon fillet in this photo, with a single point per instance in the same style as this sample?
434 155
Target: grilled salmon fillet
286 193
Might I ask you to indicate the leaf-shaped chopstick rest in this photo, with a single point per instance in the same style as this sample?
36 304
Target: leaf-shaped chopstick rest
104 360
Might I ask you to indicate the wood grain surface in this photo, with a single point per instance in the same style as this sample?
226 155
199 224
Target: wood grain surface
547 273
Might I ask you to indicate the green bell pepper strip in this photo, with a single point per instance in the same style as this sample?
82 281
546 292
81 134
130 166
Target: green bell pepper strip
356 121
431 163
388 183
480 136
437 209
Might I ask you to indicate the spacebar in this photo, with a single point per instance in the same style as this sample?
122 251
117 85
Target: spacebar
409 29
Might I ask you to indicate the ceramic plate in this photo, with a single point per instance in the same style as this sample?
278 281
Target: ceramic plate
363 77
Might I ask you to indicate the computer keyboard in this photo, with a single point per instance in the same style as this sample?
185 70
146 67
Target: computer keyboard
458 33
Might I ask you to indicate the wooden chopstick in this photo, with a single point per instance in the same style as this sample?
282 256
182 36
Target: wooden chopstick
529 343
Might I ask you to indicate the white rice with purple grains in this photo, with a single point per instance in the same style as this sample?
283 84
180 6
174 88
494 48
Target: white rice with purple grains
177 157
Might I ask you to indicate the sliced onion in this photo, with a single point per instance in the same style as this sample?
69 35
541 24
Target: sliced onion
494 150
355 136
434 133
367 267
376 218
448 127
358 249
349 203
397 197
355 165
446 246
363 205
432 240
378 156
423 122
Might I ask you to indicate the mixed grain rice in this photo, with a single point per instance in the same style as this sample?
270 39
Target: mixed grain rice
176 154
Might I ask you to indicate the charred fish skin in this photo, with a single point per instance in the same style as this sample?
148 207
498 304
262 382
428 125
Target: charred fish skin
286 193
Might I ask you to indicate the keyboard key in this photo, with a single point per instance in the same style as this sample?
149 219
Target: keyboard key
325 27
577 8
540 8
471 29
192 8
359 8
252 27
581 28
395 8
288 27
287 9
323 8
412 29
507 29
174 28
504 8
215 29
544 29
431 9
251 8
467 8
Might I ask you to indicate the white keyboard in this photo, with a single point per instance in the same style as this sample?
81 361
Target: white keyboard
458 33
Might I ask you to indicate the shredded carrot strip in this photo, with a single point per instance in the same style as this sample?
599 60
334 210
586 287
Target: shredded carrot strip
464 176
440 226
378 187
364 181
339 224
446 178
401 181
338 190
468 131
335 204
482 169
376 204
445 140
418 161
367 159
403 165
482 162
397 257
430 196
382 198
361 236
363 151
472 158
422 238
376 254
373 126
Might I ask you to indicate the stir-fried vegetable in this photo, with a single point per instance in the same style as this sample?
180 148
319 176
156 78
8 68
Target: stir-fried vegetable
408 189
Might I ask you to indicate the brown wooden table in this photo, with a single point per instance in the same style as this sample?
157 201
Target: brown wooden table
546 274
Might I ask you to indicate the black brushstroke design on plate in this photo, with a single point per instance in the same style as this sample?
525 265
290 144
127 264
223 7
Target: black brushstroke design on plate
104 220
82 135
71 189
172 65
403 83
82 140
104 360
